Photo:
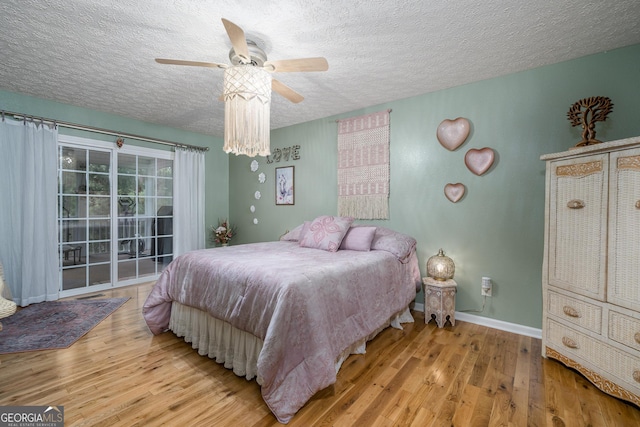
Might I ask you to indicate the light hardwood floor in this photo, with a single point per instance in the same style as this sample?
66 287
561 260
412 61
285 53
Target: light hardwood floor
119 374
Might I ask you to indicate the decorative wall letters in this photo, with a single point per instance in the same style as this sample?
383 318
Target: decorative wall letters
284 154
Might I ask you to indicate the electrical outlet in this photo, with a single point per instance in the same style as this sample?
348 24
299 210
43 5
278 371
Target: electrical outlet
486 286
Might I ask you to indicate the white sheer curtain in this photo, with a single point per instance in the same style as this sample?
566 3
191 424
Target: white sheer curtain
28 229
188 201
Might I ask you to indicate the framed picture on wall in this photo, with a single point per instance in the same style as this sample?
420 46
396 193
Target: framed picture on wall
285 185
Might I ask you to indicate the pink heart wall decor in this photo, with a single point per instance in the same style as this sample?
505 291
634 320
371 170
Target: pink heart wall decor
453 133
454 192
479 161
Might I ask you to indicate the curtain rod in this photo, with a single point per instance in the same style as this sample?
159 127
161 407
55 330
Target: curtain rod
99 130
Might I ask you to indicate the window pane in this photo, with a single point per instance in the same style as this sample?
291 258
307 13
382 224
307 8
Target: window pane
146 206
146 166
165 260
126 228
73 206
99 252
126 206
167 204
73 158
74 183
99 184
126 164
146 186
164 226
73 278
146 227
99 206
147 267
165 187
99 229
165 168
99 274
73 254
126 269
99 161
73 230
127 185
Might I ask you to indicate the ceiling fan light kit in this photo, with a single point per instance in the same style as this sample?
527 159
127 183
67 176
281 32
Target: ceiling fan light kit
247 97
247 91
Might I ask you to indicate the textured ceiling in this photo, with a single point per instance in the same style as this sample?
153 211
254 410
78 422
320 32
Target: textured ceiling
99 54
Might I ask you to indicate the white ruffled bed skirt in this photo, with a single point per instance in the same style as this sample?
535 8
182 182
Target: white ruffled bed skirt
239 350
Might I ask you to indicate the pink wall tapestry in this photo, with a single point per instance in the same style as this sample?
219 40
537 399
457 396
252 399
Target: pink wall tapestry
363 166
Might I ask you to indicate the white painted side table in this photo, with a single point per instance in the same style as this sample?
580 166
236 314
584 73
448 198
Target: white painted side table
439 300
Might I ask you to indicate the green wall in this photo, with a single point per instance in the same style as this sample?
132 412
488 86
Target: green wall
496 230
217 162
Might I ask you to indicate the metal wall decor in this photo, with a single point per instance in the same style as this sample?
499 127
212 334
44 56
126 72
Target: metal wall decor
284 154
586 113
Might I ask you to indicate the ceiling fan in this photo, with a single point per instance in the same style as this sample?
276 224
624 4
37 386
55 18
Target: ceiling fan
246 52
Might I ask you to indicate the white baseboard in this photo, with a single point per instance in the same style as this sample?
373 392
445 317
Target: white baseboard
492 323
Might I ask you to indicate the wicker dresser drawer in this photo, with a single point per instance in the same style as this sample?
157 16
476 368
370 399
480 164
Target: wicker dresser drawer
612 363
581 313
624 329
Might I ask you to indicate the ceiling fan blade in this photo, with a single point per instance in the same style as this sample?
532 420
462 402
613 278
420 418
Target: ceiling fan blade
286 91
302 64
238 40
190 63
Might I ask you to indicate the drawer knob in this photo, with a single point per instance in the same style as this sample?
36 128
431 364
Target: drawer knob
575 204
570 311
636 376
636 337
568 342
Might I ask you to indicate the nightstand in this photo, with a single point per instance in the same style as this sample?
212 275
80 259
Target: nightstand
439 300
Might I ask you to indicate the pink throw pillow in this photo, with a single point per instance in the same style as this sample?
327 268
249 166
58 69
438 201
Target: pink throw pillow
358 239
325 232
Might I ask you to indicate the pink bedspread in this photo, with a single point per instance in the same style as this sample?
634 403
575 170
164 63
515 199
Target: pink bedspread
307 305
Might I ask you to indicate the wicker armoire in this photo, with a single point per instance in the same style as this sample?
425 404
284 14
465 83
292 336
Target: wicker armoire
591 270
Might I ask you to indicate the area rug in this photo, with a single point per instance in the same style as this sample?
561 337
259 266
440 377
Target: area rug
54 324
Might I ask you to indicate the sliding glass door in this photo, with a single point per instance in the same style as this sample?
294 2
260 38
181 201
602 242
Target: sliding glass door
145 215
115 214
84 198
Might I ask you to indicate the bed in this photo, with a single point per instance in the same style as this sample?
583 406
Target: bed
285 312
